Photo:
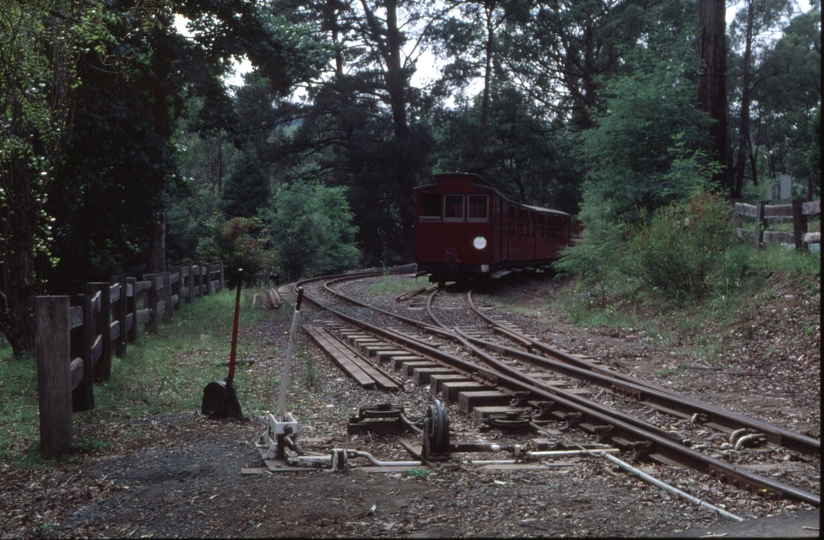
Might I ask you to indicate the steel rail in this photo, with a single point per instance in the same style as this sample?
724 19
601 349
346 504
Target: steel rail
663 444
663 398
466 340
659 448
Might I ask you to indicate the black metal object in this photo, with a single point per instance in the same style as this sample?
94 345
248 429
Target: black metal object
510 421
220 397
381 419
220 401
435 431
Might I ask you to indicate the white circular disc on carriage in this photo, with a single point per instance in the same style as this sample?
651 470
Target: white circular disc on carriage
479 242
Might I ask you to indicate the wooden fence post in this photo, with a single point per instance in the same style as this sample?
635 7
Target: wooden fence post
190 284
131 309
54 374
799 224
154 299
169 309
81 343
102 326
222 276
196 281
175 284
760 223
119 311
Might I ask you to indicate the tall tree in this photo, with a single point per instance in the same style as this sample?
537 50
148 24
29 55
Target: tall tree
563 52
467 36
789 101
645 152
528 158
361 125
39 44
712 83
247 189
126 147
756 20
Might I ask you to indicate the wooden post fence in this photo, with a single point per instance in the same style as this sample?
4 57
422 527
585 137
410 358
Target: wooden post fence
55 374
77 336
799 211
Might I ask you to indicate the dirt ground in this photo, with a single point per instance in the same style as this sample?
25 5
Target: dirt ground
180 475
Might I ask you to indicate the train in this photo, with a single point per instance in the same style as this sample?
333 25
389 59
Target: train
466 229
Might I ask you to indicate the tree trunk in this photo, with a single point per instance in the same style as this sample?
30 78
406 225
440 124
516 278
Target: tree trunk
161 67
744 119
157 243
490 36
17 316
712 85
395 78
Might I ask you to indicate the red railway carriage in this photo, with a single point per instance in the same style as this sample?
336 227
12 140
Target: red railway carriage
465 228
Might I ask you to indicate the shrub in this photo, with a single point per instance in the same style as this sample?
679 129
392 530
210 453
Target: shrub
312 230
686 249
239 242
594 257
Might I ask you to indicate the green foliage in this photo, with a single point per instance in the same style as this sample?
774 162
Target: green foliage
312 231
594 257
241 242
40 43
685 250
773 76
645 151
644 154
393 285
417 472
247 189
19 407
777 258
528 158
789 117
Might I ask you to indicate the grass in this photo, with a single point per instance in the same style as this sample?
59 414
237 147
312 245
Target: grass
697 322
417 472
786 260
394 286
161 373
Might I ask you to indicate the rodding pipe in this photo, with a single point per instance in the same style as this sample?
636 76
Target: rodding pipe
666 487
563 453
367 455
327 460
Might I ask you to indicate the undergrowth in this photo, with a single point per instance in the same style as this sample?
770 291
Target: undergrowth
160 373
667 319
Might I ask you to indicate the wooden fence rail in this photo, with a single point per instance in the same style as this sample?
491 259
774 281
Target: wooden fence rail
800 213
77 336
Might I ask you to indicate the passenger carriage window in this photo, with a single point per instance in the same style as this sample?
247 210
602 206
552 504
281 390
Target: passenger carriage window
478 208
453 208
430 207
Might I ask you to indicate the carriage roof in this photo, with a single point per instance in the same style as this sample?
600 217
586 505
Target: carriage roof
479 181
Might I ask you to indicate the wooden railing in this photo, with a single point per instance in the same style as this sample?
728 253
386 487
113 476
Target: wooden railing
77 335
799 211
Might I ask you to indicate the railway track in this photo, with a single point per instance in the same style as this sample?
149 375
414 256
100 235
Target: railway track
487 364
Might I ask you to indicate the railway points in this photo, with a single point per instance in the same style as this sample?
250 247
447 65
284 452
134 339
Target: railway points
475 377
